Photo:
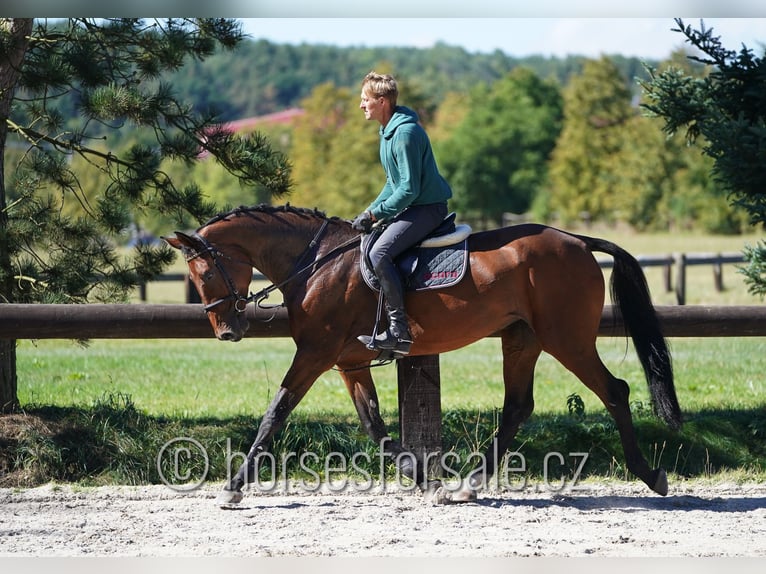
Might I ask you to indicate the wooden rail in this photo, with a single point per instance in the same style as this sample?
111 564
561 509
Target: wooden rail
139 321
142 321
682 261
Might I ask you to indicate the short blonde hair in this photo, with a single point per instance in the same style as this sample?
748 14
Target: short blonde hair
381 86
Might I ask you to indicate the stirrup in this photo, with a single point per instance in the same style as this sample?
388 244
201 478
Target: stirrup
388 355
381 343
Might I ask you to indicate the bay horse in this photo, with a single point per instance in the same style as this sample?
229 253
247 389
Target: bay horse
538 287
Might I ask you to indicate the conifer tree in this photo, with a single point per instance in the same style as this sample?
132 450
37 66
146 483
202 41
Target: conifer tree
66 90
725 111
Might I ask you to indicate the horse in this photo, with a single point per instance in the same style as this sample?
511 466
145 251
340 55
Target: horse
538 287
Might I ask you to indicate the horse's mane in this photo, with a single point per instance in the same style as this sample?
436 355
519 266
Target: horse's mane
268 209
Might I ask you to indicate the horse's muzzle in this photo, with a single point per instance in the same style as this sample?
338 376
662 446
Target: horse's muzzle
233 331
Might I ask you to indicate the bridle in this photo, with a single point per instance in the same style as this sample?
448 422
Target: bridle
241 301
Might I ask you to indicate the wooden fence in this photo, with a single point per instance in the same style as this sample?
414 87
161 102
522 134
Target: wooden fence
144 321
680 260
418 377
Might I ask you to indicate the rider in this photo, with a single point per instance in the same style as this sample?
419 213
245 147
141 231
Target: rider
413 201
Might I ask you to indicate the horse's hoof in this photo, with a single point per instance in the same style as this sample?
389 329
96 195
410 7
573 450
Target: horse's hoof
229 498
463 494
443 495
661 482
437 496
434 493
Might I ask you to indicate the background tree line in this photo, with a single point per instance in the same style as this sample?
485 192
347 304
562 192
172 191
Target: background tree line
555 138
261 77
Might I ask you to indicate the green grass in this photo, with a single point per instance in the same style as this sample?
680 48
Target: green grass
113 441
208 378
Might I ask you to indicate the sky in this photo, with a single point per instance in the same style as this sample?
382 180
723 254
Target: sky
640 28
648 38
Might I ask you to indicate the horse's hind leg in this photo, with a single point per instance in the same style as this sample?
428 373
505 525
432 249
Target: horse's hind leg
362 390
521 349
614 393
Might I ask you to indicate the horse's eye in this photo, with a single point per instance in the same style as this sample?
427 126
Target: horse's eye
207 276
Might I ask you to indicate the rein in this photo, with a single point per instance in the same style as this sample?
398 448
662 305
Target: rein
240 301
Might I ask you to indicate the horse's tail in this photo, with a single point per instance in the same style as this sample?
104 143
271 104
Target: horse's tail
632 300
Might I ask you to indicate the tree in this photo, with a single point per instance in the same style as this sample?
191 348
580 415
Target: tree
496 157
583 172
66 90
725 111
662 183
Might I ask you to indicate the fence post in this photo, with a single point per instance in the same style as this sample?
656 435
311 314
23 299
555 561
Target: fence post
667 274
718 273
420 409
681 278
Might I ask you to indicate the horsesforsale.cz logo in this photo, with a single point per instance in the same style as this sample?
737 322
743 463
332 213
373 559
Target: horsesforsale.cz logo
183 465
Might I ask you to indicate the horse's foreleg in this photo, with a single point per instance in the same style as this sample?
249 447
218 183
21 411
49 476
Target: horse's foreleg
273 420
365 398
520 353
304 370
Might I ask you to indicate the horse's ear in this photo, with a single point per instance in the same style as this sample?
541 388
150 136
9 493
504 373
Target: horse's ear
172 241
181 241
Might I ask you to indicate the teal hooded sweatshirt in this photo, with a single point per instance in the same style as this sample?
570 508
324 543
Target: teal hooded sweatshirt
412 177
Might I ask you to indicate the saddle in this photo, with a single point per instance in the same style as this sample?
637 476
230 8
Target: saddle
439 261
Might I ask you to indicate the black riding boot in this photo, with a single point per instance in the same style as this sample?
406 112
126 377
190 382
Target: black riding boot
397 337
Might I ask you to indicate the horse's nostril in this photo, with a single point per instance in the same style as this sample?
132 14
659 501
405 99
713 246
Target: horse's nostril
230 335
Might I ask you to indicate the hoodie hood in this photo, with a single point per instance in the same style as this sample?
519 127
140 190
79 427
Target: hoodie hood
402 115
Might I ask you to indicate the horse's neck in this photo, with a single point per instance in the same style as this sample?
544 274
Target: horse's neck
276 247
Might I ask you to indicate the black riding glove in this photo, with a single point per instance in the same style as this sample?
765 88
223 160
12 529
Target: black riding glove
363 222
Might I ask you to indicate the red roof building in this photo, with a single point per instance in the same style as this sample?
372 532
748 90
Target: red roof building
285 117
